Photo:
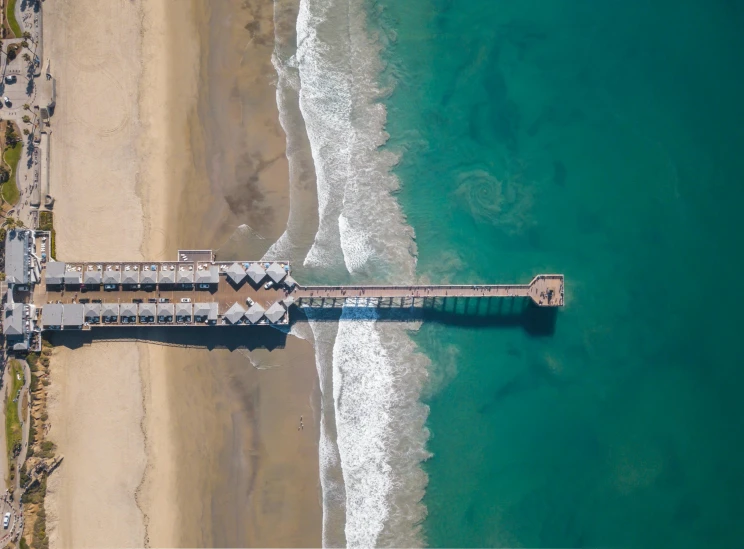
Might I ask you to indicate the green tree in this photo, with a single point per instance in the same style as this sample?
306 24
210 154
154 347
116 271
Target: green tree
26 118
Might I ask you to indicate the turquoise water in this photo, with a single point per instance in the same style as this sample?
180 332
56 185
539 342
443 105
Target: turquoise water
600 140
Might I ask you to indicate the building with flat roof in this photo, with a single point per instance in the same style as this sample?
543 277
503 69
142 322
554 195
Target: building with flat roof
19 265
55 273
73 315
51 316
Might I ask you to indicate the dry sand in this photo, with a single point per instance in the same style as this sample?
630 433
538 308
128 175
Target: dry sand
163 139
95 407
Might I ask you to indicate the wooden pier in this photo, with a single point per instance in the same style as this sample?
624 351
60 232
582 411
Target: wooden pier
197 289
544 290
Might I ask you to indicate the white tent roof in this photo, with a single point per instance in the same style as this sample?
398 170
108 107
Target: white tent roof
276 272
256 272
255 313
236 272
234 313
275 312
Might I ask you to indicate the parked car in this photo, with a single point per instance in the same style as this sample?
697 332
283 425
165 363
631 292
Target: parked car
268 285
6 520
163 300
7 102
185 300
204 286
12 79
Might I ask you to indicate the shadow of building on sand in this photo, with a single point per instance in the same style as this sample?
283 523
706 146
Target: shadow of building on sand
469 312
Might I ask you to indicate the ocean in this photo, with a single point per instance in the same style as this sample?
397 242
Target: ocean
487 141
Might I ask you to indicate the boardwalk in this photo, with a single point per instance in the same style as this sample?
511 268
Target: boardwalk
544 290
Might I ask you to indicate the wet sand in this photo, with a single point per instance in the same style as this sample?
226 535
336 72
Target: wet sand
246 476
199 153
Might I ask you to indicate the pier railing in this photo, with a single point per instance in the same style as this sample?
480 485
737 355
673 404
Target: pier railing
545 290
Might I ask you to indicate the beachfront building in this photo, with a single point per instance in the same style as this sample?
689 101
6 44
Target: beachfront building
234 314
93 313
92 277
110 313
256 273
111 278
167 274
165 313
22 271
54 273
128 313
185 276
205 312
184 312
149 276
18 325
73 316
73 276
276 272
207 277
51 316
130 277
236 273
22 267
255 313
275 313
147 313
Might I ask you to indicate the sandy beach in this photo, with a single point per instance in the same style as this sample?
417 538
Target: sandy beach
166 134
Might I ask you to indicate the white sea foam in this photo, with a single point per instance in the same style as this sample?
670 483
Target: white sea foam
372 449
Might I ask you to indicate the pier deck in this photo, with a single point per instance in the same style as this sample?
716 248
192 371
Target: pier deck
544 290
196 289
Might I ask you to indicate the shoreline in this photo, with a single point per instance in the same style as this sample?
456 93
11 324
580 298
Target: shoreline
219 466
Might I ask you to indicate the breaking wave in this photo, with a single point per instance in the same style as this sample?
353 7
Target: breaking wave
371 375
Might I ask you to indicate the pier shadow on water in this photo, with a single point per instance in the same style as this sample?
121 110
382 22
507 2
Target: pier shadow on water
468 312
475 312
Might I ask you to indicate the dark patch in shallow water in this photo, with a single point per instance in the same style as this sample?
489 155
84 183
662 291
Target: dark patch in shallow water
559 173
